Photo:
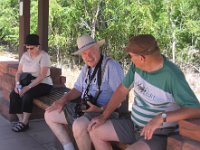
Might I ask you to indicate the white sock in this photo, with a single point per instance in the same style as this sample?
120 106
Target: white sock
68 146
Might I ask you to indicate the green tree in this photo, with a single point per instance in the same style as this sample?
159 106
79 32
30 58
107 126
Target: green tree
174 23
9 23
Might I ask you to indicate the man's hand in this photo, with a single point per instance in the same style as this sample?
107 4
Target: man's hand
95 122
150 128
92 108
57 105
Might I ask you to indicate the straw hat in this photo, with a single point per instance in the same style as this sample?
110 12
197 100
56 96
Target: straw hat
85 41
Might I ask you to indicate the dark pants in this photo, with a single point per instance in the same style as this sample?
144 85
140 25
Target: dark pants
18 104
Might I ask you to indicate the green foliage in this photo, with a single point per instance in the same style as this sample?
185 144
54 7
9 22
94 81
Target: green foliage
34 16
9 24
174 23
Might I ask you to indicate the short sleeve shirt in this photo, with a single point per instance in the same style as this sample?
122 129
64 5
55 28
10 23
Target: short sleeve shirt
33 65
159 91
112 77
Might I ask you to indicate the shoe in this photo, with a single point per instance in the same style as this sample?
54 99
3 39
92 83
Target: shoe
20 127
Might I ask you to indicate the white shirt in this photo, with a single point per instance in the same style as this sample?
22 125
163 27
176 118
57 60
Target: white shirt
33 65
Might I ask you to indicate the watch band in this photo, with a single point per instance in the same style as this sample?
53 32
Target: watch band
164 117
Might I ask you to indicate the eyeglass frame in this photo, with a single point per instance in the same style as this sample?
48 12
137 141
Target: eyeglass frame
31 48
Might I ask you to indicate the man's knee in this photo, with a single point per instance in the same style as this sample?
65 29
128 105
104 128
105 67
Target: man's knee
80 126
96 133
93 133
47 116
138 145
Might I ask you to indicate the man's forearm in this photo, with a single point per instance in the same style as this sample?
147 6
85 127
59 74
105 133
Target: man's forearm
71 95
183 113
118 97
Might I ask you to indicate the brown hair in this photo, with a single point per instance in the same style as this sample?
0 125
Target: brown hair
144 44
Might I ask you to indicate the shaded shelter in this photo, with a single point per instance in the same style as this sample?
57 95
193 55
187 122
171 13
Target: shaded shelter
24 25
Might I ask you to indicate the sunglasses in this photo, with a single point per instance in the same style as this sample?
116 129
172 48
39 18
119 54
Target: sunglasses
30 48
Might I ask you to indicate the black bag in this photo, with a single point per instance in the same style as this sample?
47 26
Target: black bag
25 78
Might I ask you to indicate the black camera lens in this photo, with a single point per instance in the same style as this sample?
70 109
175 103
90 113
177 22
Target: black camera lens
84 106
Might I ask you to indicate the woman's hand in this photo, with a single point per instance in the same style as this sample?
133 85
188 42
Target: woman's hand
16 90
23 90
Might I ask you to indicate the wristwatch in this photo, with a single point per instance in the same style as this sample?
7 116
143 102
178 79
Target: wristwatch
164 117
102 109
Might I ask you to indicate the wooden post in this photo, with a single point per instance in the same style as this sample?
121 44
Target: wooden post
43 19
24 25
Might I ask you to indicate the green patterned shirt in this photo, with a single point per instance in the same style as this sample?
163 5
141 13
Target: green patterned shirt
160 91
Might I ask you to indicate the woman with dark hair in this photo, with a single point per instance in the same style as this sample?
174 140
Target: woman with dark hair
37 63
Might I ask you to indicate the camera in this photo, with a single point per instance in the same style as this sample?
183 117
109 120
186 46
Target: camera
83 105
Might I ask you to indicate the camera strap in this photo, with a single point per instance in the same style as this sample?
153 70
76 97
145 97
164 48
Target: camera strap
100 77
97 69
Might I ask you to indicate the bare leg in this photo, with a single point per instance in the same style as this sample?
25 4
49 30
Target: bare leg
23 122
138 145
26 117
20 117
56 121
102 135
81 134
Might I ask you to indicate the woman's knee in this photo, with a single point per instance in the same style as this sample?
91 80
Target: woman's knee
27 97
13 95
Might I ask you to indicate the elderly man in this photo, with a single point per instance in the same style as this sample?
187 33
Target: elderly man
162 97
99 78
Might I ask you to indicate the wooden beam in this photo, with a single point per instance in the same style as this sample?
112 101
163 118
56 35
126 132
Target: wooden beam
24 25
43 20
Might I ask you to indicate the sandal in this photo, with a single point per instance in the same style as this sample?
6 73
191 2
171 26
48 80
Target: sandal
14 123
20 127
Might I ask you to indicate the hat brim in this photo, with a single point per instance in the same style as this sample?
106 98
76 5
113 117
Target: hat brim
99 43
